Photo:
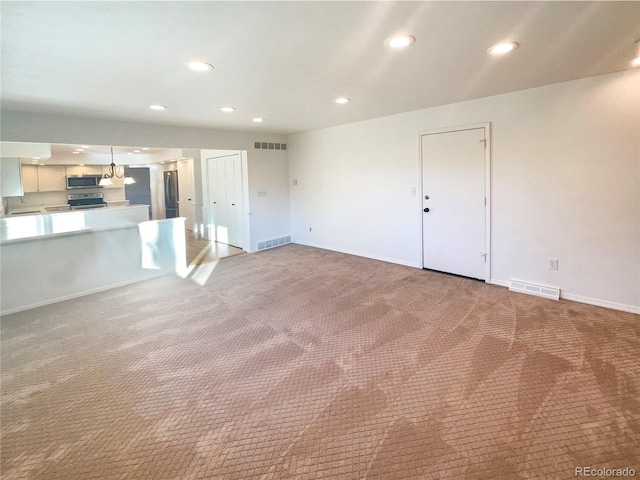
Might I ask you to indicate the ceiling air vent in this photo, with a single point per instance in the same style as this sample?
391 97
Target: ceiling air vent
269 146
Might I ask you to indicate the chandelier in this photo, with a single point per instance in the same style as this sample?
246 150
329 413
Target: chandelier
114 172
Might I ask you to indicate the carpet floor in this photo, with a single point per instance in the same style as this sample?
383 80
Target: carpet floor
301 363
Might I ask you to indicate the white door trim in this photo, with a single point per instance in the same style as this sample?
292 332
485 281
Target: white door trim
487 186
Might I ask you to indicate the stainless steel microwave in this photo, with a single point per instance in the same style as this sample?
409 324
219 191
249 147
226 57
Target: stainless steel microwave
83 181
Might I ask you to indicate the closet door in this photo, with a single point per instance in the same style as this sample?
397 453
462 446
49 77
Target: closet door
225 200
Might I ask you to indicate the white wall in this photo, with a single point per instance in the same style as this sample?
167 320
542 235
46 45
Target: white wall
267 168
565 184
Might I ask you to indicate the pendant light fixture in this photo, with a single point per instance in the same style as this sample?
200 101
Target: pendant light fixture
114 172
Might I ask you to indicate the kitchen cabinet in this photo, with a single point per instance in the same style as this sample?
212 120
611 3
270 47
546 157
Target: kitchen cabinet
44 178
51 178
29 178
117 182
84 170
10 177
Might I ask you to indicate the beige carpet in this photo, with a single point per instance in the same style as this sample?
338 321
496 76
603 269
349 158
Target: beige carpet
299 363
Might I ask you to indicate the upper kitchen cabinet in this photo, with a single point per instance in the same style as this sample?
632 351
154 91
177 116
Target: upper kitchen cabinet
29 178
52 178
76 170
43 178
10 177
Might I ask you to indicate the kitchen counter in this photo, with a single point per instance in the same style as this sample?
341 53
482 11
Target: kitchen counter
43 269
34 225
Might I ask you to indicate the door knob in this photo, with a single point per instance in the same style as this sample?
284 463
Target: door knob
426 210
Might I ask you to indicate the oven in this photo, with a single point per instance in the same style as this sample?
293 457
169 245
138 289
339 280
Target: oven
84 201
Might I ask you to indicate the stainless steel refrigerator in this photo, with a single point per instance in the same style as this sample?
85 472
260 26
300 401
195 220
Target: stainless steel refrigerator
171 194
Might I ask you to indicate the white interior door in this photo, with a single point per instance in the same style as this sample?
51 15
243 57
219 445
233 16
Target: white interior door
453 189
226 200
185 192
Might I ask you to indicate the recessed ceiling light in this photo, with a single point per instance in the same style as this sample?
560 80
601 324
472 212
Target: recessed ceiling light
399 41
157 107
636 62
37 158
136 151
145 148
258 120
81 164
162 163
502 48
85 146
129 153
76 153
343 100
199 66
79 149
227 109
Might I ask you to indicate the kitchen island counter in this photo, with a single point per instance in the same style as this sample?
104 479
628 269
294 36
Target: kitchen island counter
43 269
26 226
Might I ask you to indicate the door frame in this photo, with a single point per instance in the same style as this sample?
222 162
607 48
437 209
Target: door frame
487 187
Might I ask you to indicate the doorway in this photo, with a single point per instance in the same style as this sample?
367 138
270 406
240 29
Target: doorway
455 200
226 200
139 193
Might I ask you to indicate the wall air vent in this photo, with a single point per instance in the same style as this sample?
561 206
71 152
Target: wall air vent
274 242
269 146
532 289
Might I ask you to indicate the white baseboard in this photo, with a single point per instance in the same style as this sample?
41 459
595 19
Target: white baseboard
50 301
359 254
582 299
600 303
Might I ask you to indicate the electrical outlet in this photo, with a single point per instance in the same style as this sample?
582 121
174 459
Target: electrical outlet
553 264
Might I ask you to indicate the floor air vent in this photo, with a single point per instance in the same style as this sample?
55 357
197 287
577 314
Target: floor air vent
537 290
274 242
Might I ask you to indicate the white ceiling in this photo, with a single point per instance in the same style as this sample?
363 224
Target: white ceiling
288 61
